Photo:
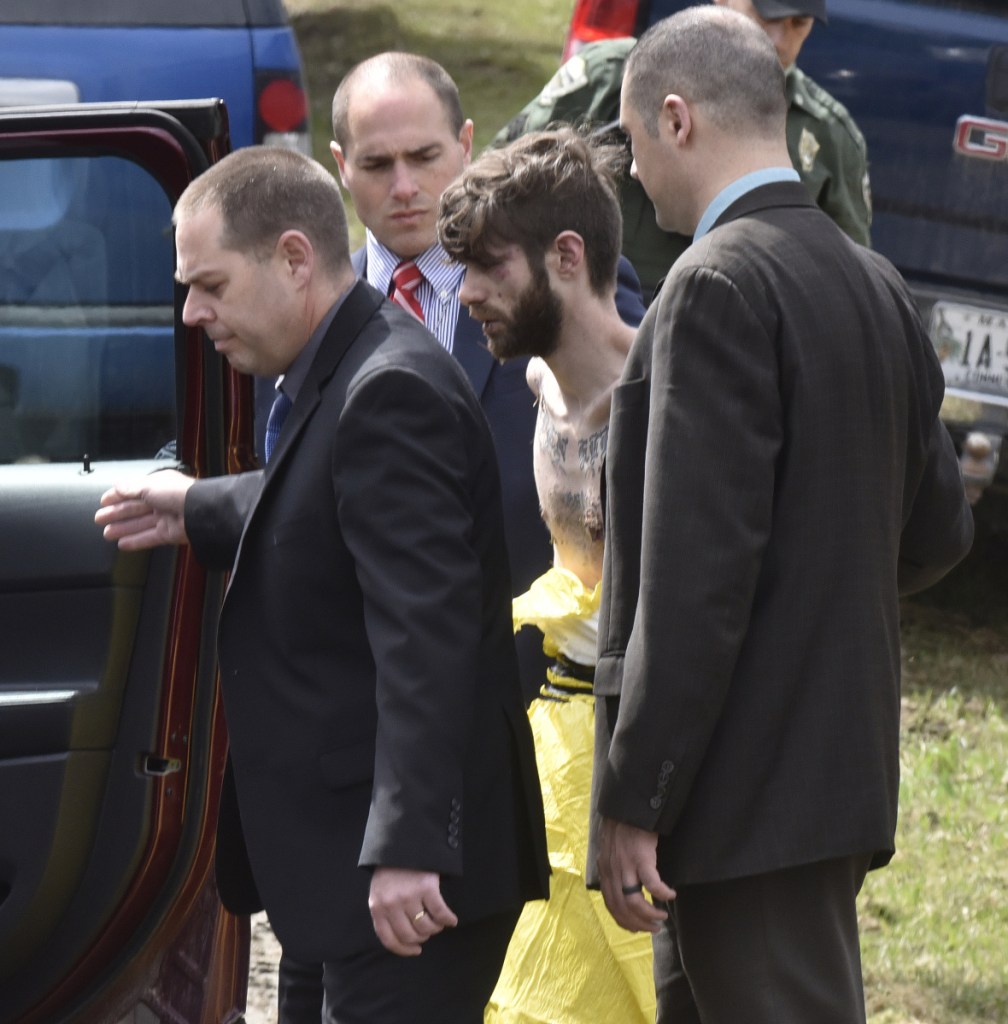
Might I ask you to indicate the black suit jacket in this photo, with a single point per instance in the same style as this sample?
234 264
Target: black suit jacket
509 407
777 471
365 643
510 410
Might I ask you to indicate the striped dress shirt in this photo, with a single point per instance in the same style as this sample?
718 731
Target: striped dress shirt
438 292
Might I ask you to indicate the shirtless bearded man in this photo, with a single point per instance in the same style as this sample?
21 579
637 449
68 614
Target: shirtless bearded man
537 226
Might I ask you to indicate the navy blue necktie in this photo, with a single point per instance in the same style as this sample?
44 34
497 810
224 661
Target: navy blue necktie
278 413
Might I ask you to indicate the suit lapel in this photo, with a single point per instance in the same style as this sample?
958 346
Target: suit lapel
357 309
468 344
469 348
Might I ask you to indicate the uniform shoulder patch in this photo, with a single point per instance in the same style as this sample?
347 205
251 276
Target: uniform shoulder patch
596 70
808 150
824 107
569 78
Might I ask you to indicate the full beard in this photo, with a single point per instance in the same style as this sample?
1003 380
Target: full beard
533 329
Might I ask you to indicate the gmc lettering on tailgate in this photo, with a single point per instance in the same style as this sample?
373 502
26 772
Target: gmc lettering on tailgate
981 137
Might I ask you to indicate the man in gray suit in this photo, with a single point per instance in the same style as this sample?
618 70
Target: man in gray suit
777 476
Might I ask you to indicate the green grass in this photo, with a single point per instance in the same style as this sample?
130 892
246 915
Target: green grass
935 922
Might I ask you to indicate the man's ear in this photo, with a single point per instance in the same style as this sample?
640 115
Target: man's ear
337 151
466 141
298 255
569 253
675 119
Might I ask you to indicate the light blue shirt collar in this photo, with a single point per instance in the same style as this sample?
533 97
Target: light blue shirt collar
739 188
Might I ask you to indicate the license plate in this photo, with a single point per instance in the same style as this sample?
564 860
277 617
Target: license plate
972 344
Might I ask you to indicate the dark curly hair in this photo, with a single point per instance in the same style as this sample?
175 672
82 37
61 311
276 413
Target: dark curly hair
527 193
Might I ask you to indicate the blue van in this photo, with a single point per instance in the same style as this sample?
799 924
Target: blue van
94 330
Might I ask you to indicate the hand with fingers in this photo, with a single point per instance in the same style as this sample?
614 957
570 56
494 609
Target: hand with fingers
628 865
146 513
407 909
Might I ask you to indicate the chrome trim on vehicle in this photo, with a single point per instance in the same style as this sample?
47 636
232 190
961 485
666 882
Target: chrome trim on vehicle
19 698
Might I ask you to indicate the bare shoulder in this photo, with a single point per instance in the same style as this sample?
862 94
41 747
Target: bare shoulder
535 373
547 391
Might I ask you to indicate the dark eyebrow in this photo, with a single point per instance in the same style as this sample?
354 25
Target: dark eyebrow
431 149
199 280
425 150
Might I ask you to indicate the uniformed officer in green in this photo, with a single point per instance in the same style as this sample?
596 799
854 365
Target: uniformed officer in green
826 147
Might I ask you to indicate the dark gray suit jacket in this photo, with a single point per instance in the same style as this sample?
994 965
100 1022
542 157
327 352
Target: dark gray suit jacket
777 473
365 644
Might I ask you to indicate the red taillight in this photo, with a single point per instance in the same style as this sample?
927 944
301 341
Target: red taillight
283 106
600 19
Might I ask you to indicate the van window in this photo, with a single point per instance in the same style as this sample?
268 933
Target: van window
86 315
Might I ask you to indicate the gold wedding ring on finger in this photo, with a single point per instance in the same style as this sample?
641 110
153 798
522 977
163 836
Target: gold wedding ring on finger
419 914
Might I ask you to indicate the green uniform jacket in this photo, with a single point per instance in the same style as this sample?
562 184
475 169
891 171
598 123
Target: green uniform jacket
826 148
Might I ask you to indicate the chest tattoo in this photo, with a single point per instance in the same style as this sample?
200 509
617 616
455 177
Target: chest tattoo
569 487
591 451
552 442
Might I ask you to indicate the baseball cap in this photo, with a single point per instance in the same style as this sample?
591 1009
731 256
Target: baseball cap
786 8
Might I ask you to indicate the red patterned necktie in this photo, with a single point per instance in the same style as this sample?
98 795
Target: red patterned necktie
406 279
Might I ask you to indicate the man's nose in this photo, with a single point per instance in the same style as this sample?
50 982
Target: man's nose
193 311
404 184
470 291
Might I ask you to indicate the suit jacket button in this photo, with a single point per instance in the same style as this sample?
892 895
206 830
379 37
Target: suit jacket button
667 767
655 803
453 842
456 804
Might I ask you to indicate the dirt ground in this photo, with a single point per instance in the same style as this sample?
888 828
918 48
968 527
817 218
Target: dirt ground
263 960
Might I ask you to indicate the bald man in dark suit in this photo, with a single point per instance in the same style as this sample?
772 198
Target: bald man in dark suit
777 475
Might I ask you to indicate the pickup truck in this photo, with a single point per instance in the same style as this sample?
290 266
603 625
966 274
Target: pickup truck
927 83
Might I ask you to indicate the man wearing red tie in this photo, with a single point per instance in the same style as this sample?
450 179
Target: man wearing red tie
399 140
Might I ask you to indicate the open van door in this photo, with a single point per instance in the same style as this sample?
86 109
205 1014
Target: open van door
112 739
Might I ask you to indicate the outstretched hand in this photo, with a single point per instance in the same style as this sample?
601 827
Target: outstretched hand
407 909
628 864
146 513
